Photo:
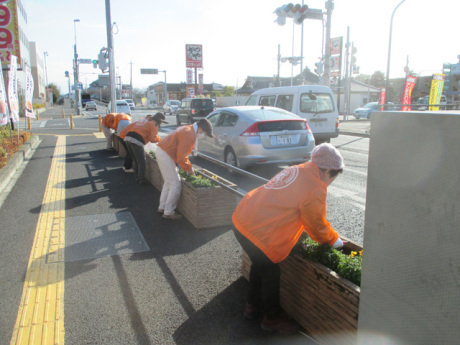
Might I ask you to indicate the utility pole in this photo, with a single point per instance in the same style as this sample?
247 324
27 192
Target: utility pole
327 56
347 88
279 62
113 96
131 80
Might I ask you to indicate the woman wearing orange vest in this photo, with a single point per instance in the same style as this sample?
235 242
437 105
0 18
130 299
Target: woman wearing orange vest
137 135
174 149
113 121
269 221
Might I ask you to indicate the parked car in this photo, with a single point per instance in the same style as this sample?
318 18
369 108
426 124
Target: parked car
193 109
122 107
91 105
425 101
365 110
253 135
130 103
170 107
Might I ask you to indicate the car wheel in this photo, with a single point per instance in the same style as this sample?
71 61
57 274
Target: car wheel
178 120
230 158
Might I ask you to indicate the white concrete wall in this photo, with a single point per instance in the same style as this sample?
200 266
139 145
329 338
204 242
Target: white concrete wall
411 279
231 101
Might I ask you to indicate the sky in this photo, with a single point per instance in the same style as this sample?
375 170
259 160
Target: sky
240 38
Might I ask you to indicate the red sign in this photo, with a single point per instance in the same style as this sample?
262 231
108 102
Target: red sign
194 55
9 32
407 97
382 98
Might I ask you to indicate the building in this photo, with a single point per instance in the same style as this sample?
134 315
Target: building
156 92
38 73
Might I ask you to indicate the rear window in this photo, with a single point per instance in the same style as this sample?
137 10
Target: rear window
203 103
316 103
267 100
276 126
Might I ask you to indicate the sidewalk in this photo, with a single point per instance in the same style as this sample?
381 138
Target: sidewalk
106 268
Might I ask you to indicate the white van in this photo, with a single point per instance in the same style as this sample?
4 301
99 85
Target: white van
316 103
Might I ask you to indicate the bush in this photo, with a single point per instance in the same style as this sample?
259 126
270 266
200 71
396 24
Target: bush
197 181
347 266
7 147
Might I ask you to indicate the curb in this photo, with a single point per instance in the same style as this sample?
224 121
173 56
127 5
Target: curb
8 171
356 134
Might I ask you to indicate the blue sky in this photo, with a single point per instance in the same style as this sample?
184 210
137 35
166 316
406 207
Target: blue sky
239 37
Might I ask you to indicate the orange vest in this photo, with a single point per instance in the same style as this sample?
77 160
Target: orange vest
107 120
274 215
147 129
118 118
179 144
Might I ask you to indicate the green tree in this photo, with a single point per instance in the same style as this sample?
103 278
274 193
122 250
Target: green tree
363 78
215 94
56 92
377 79
229 91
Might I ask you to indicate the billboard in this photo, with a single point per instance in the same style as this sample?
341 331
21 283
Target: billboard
9 32
437 83
194 55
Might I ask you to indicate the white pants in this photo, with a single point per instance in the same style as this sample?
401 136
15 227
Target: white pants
172 187
108 136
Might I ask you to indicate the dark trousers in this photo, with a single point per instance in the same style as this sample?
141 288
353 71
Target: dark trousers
128 164
138 154
264 279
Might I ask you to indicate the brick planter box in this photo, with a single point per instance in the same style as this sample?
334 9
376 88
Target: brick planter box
324 304
118 146
207 207
152 172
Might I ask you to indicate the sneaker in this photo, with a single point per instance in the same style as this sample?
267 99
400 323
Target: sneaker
128 170
251 311
172 216
281 324
160 211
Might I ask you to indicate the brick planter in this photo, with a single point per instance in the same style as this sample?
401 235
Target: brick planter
324 304
207 207
118 146
152 172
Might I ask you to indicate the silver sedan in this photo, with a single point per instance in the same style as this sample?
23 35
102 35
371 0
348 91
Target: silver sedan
252 135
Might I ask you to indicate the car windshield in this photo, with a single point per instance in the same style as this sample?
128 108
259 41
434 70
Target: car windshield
175 102
316 103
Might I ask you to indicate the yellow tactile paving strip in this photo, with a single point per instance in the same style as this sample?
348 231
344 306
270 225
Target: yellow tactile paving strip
40 317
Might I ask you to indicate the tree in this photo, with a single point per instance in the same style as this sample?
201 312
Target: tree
229 91
377 79
215 94
363 78
56 92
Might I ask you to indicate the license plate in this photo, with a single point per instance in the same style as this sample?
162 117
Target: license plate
284 139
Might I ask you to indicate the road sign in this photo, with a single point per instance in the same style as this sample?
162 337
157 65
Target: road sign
85 61
149 71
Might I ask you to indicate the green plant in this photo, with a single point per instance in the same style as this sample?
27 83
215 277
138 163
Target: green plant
152 154
347 266
197 181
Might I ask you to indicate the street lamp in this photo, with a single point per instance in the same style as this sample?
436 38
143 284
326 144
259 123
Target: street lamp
76 80
45 54
387 81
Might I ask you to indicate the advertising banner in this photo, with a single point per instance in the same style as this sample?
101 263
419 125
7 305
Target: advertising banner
189 76
336 45
190 91
9 32
382 98
29 91
3 103
437 83
13 90
194 55
407 97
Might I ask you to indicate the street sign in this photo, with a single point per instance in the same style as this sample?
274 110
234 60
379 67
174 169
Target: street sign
104 80
149 71
313 13
85 61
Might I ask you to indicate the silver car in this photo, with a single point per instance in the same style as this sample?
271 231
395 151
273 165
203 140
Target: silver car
171 107
252 135
122 107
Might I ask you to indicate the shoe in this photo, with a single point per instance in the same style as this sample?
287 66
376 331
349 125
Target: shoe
160 211
172 216
128 170
281 324
110 149
251 311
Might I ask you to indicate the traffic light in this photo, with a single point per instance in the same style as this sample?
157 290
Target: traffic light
319 68
102 61
297 12
94 63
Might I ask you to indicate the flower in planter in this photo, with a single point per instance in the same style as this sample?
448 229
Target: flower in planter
348 266
197 181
